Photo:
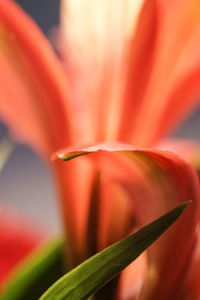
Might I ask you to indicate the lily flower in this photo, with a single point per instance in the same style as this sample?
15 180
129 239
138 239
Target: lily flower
128 73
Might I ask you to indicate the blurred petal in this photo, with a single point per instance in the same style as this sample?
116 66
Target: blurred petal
92 44
17 240
188 149
192 275
33 86
132 279
137 70
172 88
132 64
75 181
154 181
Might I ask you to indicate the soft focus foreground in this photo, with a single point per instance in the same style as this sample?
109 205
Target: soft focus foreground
130 72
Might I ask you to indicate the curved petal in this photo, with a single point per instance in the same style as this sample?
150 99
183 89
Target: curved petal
33 85
171 86
153 181
188 149
184 96
17 240
137 70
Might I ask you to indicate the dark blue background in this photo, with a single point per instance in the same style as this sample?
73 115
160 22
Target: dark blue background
44 12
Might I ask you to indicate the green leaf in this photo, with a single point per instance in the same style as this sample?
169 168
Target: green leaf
95 272
36 273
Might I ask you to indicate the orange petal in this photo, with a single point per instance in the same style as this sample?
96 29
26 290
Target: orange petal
75 181
171 88
192 274
137 70
33 85
154 181
188 149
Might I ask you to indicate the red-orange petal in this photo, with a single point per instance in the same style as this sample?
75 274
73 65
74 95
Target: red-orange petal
171 89
137 70
188 149
33 85
154 181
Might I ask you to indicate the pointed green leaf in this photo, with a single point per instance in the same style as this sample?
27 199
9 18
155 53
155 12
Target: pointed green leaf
36 273
95 272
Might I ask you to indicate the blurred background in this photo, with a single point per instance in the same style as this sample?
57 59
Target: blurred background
25 181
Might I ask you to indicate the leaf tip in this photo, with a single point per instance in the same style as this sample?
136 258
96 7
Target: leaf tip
183 205
180 208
